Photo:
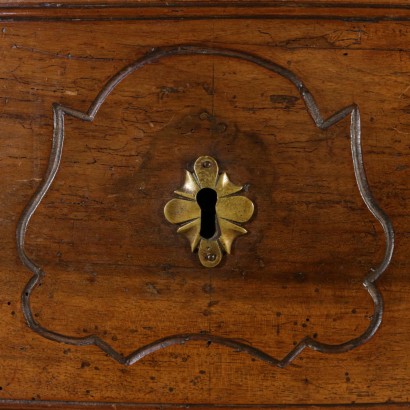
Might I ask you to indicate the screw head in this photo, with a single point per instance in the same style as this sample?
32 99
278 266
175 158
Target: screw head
211 257
207 164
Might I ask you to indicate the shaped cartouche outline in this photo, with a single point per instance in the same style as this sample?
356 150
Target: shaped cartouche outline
361 180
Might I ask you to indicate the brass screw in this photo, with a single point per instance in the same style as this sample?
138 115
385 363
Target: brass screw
207 164
211 257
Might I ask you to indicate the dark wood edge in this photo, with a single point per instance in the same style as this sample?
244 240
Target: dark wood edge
205 3
201 10
61 405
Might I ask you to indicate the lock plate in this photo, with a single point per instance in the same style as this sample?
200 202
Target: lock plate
210 211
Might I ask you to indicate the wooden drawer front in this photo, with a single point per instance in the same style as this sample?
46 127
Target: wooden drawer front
115 268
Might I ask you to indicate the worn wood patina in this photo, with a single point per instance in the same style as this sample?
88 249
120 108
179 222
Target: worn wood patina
115 268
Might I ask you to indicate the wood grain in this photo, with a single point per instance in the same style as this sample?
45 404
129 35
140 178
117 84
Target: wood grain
240 3
116 268
201 11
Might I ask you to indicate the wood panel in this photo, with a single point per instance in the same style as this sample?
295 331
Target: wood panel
116 268
200 11
248 3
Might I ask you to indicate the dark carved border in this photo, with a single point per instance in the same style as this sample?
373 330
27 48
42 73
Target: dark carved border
54 163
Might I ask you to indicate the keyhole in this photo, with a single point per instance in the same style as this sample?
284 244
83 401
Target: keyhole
206 199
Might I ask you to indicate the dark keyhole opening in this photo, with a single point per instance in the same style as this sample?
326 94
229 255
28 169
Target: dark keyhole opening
206 199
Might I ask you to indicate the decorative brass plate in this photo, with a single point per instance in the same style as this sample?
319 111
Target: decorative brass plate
209 210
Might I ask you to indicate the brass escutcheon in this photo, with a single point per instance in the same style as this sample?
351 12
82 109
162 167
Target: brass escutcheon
209 210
